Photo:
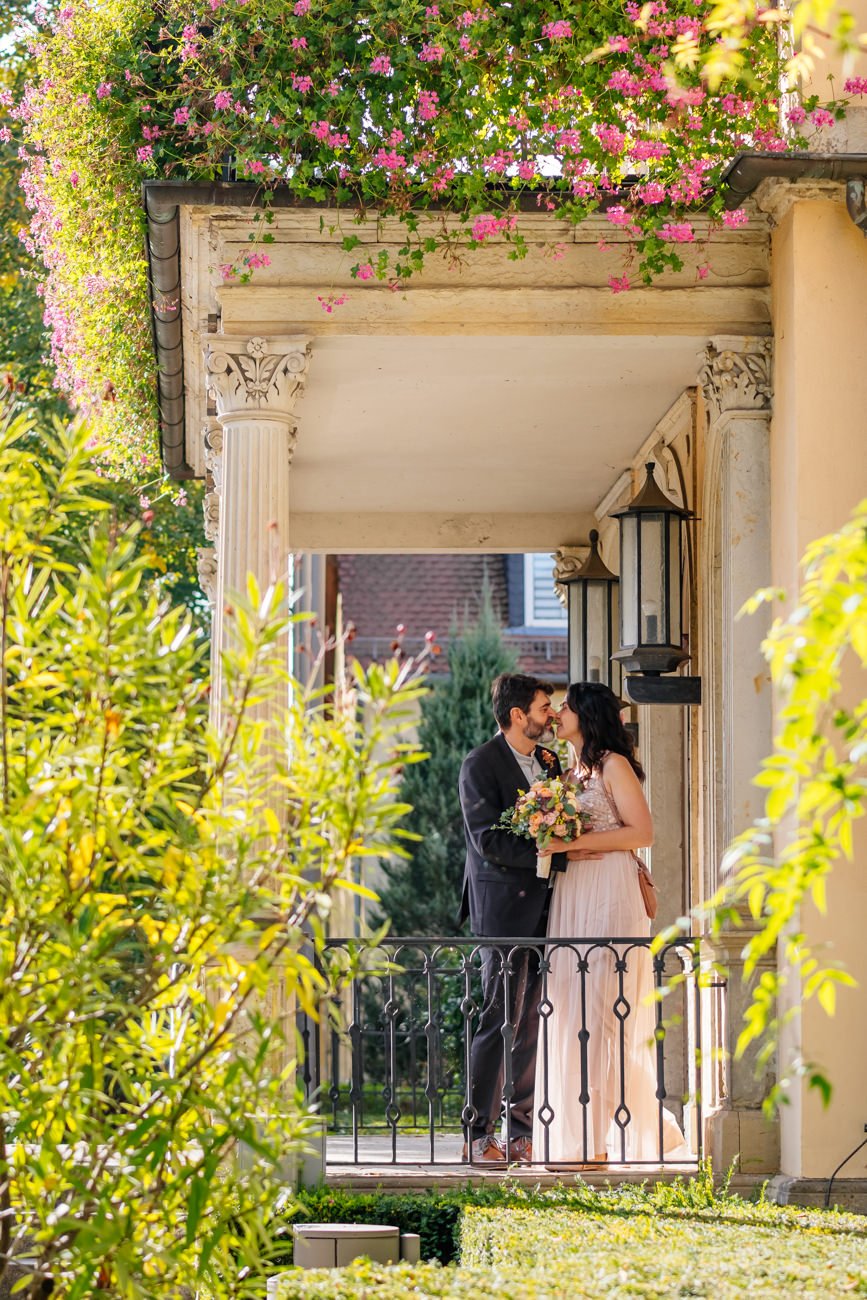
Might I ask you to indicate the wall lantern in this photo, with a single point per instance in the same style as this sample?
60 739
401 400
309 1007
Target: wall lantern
591 601
651 598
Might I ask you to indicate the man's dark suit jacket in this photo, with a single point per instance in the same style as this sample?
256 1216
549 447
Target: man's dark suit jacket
502 895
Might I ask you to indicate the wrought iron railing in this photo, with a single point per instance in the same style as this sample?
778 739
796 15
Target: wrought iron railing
390 1069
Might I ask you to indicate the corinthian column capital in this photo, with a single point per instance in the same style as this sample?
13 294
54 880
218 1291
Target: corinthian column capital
257 378
736 375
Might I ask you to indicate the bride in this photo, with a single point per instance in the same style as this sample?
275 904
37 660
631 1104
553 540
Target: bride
608 1107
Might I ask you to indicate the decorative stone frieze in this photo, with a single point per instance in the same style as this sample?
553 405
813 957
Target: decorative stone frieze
256 378
206 558
213 439
211 511
736 375
567 562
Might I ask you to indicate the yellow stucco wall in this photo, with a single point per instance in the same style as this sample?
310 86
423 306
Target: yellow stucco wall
818 475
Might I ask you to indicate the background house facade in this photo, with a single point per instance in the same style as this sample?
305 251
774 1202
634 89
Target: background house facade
441 593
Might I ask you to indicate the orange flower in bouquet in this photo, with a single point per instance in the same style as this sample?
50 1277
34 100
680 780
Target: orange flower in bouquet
548 810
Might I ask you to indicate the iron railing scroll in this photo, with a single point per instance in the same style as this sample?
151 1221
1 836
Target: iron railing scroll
390 1072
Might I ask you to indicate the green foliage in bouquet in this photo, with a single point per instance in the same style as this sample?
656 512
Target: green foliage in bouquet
162 896
549 808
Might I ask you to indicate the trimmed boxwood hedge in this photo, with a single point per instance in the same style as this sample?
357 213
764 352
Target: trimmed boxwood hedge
662 1241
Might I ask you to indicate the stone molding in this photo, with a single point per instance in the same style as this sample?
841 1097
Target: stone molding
737 375
206 558
256 378
776 197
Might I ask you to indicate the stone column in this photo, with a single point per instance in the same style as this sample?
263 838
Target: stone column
736 382
255 384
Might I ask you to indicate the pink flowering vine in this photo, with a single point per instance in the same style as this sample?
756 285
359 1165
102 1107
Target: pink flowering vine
475 108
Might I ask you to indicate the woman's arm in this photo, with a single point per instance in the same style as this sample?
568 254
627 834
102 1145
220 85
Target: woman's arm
637 829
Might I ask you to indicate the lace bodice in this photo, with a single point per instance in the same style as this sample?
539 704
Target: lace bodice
596 801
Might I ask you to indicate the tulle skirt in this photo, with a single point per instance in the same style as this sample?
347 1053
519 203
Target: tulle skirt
595 1069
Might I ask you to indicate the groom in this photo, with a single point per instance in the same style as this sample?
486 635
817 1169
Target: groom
504 899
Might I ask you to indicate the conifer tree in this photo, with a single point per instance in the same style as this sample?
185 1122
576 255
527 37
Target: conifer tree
422 893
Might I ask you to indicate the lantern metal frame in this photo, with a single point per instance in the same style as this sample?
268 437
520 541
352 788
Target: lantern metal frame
593 579
651 642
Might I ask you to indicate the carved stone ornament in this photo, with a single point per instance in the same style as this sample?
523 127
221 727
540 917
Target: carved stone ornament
207 569
737 376
214 455
211 510
257 375
567 561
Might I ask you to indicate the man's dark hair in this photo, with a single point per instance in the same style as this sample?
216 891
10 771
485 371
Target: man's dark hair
515 691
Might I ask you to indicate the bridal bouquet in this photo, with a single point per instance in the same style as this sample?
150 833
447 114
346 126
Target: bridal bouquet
549 808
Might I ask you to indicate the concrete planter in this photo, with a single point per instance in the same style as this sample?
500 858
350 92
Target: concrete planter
334 1245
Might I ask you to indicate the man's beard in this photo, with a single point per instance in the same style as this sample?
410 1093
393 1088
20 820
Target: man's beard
542 734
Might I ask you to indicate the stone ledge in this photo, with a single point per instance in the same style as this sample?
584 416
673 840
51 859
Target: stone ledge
846 1194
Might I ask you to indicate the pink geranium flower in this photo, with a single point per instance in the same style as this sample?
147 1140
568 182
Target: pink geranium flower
558 31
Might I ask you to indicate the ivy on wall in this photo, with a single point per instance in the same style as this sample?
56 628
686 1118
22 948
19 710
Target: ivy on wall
392 107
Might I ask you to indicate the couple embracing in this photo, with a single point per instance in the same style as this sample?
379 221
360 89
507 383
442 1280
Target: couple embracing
565 1111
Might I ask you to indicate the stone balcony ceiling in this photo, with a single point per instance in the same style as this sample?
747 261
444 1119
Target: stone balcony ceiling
491 389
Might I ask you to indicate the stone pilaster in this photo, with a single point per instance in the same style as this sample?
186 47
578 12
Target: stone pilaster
736 382
738 716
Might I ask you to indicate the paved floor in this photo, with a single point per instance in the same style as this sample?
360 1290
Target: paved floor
376 1161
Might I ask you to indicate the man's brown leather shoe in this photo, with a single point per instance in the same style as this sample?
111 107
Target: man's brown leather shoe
521 1149
486 1150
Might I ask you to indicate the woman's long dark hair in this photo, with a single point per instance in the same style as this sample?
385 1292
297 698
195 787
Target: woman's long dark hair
598 710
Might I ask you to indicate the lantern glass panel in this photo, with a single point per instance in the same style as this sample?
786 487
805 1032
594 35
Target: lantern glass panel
598 632
615 678
576 631
628 580
674 595
653 604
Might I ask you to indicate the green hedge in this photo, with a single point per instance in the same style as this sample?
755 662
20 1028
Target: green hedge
670 1240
